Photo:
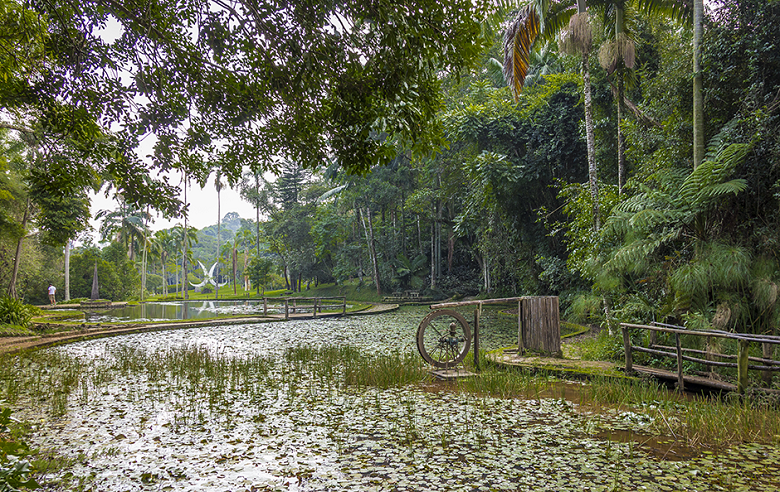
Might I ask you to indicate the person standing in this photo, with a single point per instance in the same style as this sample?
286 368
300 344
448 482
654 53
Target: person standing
52 291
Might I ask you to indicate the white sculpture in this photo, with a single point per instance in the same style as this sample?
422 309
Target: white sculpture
208 277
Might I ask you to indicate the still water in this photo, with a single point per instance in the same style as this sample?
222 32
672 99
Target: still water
154 311
229 411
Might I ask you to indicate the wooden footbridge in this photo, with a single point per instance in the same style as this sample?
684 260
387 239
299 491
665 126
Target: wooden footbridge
709 357
309 307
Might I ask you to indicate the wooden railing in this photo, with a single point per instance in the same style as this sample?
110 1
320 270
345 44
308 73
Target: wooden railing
742 364
314 305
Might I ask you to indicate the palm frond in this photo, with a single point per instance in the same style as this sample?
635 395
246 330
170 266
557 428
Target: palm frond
518 41
707 183
677 10
637 251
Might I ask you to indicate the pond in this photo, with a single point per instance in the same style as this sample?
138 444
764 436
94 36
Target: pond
159 310
229 409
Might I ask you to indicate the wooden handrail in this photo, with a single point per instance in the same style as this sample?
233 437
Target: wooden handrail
710 333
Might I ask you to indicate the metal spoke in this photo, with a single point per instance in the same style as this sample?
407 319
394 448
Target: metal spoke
444 338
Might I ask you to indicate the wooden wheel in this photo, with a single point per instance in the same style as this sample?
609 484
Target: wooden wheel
444 338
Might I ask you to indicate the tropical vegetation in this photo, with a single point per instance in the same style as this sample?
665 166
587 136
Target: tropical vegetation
578 180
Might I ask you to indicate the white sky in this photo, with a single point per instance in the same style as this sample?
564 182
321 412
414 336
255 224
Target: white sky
202 201
203 207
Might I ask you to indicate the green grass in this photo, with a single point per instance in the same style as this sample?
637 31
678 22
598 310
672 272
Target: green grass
353 290
15 331
346 365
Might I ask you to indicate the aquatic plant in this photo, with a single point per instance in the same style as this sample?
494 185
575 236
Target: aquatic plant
15 471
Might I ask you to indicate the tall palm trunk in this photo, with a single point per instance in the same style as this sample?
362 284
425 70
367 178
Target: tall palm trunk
698 100
620 137
584 44
144 257
235 269
164 277
219 236
257 212
619 12
433 255
184 246
591 142
67 270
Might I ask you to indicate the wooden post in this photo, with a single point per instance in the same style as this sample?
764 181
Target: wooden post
265 306
344 305
286 309
476 337
709 356
742 367
520 343
680 379
627 350
295 305
314 312
768 350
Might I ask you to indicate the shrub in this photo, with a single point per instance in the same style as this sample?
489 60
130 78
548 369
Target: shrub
15 312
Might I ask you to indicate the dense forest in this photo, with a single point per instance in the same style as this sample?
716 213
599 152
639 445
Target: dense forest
411 165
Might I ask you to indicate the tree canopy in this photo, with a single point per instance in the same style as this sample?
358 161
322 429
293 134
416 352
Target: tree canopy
228 83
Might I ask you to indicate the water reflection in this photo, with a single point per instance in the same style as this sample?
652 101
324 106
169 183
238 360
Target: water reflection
153 311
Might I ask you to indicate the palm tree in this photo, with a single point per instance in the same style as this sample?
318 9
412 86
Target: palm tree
579 40
161 245
244 237
183 239
257 195
218 186
546 19
126 224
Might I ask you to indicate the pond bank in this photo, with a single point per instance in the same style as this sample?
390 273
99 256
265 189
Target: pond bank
567 366
85 331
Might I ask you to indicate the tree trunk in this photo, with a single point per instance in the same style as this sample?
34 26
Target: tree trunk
591 141
438 241
164 277
144 257
619 20
372 248
433 256
184 252
15 273
419 235
404 245
698 99
219 237
257 212
620 137
235 270
67 270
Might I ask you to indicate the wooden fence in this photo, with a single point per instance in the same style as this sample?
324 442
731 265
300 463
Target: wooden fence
313 305
767 365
